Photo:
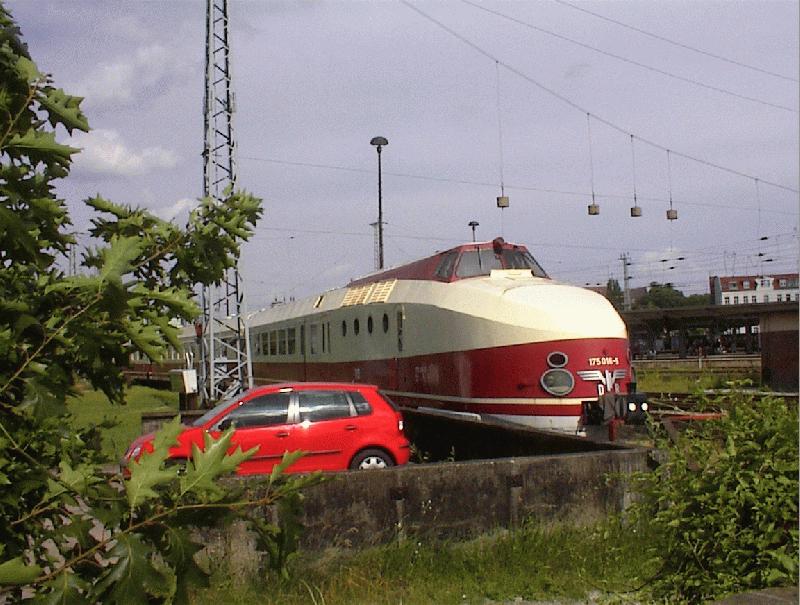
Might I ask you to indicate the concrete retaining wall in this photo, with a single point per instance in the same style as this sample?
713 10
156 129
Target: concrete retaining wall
460 500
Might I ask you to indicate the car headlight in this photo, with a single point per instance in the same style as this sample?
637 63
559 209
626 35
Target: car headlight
135 452
558 382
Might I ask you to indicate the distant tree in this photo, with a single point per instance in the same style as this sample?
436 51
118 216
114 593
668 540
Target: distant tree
614 293
698 300
661 296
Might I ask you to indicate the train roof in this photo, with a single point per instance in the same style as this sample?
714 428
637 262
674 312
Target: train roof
462 262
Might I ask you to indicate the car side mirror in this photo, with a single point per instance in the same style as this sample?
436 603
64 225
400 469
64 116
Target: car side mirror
226 424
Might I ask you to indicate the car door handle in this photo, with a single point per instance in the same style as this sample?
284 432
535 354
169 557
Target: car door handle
350 427
282 434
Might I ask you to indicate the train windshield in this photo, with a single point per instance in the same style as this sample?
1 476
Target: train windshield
481 262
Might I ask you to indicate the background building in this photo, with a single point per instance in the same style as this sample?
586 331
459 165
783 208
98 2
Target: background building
750 289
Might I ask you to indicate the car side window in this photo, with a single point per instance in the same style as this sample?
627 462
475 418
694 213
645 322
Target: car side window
267 410
360 403
323 405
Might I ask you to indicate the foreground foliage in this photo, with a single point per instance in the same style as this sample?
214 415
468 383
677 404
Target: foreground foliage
723 506
70 532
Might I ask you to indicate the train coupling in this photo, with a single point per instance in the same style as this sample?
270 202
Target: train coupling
631 408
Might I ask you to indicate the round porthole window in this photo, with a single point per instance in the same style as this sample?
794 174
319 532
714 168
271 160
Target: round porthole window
557 359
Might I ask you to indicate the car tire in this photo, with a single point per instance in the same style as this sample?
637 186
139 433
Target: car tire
371 459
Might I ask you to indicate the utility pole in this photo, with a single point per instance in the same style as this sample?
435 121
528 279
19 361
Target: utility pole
626 290
225 366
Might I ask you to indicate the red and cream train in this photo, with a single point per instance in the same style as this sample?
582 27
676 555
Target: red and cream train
478 328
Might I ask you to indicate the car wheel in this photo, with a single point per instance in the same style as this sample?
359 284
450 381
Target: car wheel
371 459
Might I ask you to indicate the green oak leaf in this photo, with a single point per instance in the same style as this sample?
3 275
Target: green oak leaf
149 471
211 462
133 578
64 109
118 256
66 589
38 142
16 571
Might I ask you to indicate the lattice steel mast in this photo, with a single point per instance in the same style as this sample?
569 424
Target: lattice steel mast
225 367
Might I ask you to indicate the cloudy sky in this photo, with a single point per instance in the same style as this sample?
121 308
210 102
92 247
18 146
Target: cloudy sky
468 94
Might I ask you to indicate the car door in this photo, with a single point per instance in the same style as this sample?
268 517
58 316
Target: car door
261 422
327 429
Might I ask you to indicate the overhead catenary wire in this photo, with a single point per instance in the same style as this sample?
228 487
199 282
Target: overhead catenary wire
675 43
580 108
488 184
632 61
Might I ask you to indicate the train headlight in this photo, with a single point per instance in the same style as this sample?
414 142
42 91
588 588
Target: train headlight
631 406
644 406
558 382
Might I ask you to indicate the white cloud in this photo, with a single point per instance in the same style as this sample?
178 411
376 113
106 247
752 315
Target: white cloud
104 152
181 206
125 79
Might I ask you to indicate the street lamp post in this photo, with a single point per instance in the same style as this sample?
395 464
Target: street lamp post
379 142
473 224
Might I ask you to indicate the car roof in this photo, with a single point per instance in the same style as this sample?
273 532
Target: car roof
315 386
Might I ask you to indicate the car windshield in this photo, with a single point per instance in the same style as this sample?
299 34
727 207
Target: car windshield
213 412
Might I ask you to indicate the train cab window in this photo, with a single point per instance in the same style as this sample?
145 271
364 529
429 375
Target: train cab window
522 259
267 410
445 269
369 324
323 405
477 262
385 323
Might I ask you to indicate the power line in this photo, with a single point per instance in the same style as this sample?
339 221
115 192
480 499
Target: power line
678 44
574 105
630 61
440 179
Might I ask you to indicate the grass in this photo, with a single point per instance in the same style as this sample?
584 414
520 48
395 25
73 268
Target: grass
674 381
93 408
607 563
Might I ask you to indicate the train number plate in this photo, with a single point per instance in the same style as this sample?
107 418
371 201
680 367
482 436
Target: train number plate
604 361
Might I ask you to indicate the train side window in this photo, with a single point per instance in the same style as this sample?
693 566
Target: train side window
330 343
291 339
258 344
282 342
344 328
369 324
399 330
273 342
303 339
313 338
356 326
385 323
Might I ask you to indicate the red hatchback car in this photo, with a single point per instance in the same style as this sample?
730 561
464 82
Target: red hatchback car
339 426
